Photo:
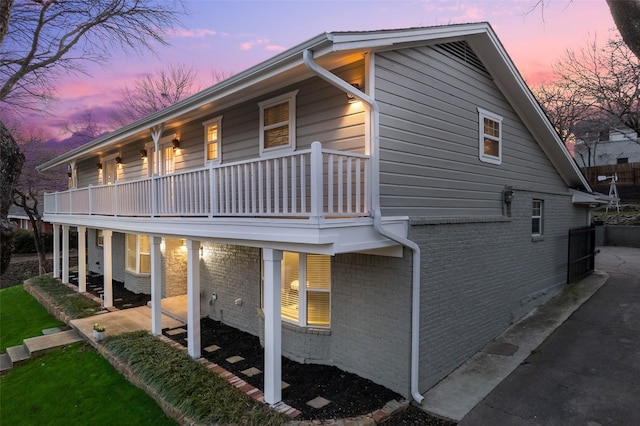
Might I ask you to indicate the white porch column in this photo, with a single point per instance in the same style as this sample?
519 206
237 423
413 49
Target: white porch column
56 250
65 254
82 259
108 266
156 286
272 326
193 297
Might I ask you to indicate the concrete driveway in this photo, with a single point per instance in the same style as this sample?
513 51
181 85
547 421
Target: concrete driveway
588 371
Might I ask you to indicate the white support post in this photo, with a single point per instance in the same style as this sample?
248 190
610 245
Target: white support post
193 297
316 181
108 269
82 259
65 254
272 326
56 250
156 287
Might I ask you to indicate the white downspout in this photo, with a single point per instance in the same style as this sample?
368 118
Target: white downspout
377 215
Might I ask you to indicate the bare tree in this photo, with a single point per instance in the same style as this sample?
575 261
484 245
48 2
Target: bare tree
154 91
49 38
563 108
606 80
31 186
11 160
43 40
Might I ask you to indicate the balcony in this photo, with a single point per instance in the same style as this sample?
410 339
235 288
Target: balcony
313 184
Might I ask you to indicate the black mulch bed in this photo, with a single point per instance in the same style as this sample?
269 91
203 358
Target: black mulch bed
350 395
122 298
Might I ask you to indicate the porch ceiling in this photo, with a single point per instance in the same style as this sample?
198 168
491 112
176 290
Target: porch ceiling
326 237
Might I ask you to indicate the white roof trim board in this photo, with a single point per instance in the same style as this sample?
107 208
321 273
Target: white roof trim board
480 36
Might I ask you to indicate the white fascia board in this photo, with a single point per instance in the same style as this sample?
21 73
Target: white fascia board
329 237
373 39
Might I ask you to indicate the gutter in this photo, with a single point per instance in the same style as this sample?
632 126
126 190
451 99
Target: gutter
377 215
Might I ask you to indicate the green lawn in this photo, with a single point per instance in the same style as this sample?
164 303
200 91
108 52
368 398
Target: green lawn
74 385
21 317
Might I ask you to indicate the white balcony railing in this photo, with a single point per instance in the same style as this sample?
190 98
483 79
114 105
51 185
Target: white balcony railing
312 183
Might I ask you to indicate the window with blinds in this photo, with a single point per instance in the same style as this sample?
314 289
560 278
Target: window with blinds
138 253
277 123
318 290
307 304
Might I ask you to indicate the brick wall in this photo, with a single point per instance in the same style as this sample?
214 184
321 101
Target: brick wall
480 276
233 274
174 267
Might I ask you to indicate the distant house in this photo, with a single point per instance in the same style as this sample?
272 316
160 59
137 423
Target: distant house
18 216
386 202
605 145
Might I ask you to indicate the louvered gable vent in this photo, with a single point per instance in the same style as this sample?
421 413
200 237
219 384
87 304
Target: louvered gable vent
462 51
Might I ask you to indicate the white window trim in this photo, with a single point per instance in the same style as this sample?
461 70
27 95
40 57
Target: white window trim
291 146
103 172
164 142
540 217
138 253
302 295
206 124
482 114
98 231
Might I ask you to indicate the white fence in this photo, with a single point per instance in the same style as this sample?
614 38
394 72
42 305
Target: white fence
309 183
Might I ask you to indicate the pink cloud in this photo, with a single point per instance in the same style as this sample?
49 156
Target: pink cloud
193 33
248 45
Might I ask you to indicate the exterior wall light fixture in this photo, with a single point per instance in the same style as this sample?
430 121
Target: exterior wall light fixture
99 165
143 153
118 160
176 143
350 97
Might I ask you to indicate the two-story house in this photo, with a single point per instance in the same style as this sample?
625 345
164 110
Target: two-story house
386 202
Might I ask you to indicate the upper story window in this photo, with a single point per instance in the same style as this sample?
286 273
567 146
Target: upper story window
278 123
490 137
138 250
536 218
166 162
213 140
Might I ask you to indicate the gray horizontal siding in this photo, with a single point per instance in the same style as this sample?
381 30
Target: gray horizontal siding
322 114
429 163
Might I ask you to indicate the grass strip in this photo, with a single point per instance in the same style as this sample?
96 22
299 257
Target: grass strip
72 303
74 385
21 317
187 384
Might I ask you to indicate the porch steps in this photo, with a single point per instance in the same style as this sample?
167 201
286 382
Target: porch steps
35 346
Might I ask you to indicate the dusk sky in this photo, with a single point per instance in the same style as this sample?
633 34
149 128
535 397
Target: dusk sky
231 36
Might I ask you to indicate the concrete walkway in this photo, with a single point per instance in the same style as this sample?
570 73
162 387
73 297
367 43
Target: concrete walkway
119 322
498 380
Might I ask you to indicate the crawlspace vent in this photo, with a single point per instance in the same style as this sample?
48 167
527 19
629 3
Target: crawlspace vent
462 51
